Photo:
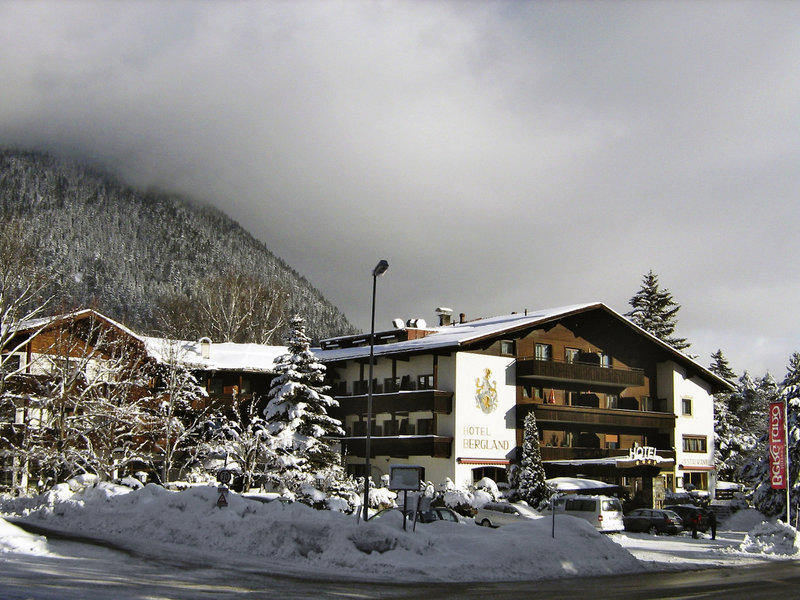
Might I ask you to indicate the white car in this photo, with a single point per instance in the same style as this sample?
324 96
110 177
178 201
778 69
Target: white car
603 512
494 514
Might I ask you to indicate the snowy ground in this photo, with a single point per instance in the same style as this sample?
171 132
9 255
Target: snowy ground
294 539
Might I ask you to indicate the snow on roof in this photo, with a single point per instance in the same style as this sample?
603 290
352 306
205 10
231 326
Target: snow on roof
32 325
223 356
457 334
564 484
453 336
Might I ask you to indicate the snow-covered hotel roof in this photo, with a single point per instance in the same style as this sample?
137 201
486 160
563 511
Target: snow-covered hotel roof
224 356
459 334
445 336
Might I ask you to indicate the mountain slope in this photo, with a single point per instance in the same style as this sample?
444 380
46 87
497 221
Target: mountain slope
121 250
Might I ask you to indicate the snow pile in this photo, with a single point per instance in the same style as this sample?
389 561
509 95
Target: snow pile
744 520
14 539
294 538
771 538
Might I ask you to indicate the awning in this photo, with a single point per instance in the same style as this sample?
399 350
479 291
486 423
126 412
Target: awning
483 461
607 467
696 468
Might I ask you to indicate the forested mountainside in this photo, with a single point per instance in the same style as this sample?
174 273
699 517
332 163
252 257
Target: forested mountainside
122 250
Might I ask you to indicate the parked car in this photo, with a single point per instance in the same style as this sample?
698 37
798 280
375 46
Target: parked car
602 512
653 521
691 515
438 513
494 514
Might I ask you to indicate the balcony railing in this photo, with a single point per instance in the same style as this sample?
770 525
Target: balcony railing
434 401
547 414
400 446
578 372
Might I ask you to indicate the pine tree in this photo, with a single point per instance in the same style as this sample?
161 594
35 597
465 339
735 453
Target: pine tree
298 420
721 367
654 310
529 476
727 427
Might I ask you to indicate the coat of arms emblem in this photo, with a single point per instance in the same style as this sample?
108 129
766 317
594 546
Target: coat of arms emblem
486 392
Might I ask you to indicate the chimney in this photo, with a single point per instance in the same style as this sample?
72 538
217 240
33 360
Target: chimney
462 318
205 347
445 316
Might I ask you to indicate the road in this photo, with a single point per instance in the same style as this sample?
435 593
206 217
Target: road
82 570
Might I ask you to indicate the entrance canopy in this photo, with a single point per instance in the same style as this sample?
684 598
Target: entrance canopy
613 466
579 485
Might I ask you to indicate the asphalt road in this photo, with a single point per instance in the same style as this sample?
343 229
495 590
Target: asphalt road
82 571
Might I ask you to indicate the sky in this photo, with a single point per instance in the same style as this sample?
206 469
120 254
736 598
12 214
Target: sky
500 155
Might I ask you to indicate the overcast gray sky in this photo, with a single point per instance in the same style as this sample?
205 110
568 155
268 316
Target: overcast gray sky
500 155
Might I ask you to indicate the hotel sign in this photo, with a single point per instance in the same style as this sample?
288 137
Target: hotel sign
777 445
643 455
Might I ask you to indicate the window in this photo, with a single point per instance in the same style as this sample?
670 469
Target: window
647 403
612 401
391 384
10 364
694 443
571 355
686 406
612 440
425 382
507 347
544 352
605 360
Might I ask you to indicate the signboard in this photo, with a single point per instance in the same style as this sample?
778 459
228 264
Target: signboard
405 477
222 501
777 445
224 476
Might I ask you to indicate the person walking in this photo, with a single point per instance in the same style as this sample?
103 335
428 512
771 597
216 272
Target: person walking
712 522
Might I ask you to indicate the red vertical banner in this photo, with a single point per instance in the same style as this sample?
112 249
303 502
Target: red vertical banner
777 445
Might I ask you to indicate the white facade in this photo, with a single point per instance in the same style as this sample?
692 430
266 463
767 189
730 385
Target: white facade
690 400
484 413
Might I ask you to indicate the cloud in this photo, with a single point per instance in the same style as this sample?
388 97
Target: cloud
500 155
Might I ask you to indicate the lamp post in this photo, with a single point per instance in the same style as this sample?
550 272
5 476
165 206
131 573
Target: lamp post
379 270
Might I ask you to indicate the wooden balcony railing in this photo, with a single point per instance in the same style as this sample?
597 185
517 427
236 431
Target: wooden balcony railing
576 372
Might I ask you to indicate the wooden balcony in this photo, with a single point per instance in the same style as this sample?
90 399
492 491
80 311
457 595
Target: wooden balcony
433 401
553 416
400 446
589 374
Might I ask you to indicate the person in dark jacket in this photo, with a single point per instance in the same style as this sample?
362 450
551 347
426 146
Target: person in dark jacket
712 522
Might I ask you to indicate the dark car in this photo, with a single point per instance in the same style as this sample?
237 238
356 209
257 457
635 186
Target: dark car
654 521
691 515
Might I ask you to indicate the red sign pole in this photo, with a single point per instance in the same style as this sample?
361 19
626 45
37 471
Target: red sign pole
779 450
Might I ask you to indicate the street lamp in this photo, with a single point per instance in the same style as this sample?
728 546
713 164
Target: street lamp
379 270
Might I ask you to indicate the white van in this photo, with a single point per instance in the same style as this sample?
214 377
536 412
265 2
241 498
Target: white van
603 512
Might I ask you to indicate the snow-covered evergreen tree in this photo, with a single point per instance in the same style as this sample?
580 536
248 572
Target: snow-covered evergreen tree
654 310
764 498
529 476
728 443
298 420
721 367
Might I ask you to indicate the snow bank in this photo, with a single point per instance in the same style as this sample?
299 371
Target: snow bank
294 538
743 520
14 539
771 538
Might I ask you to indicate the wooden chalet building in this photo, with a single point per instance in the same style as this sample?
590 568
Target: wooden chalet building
54 347
612 402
